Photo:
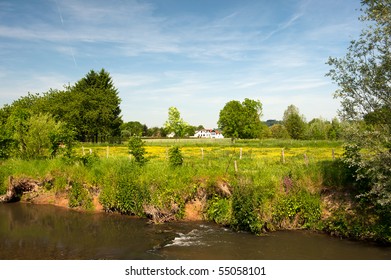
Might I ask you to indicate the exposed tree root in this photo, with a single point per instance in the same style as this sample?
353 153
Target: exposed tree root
158 215
16 188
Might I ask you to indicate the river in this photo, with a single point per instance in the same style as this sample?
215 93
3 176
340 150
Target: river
47 232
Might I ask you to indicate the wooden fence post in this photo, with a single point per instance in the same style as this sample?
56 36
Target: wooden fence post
202 153
241 153
107 152
282 155
84 153
236 166
306 159
333 154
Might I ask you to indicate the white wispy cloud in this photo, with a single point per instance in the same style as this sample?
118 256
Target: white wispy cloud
284 25
133 29
191 60
36 83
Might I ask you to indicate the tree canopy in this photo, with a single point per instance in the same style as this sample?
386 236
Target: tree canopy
363 76
294 122
90 107
36 123
241 120
175 123
96 102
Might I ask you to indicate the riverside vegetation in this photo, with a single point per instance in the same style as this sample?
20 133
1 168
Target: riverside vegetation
256 186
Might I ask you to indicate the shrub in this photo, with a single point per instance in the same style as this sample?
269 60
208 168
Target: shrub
175 156
130 197
6 144
245 210
219 210
122 192
88 160
137 149
80 197
299 209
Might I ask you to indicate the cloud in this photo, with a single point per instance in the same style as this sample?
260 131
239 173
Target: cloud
94 21
132 81
132 28
32 82
284 25
256 49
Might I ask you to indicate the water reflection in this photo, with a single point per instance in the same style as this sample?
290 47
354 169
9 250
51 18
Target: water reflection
48 232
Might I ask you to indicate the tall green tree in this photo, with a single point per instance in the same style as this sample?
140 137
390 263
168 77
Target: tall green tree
318 129
98 107
90 107
175 123
241 120
335 130
294 122
363 76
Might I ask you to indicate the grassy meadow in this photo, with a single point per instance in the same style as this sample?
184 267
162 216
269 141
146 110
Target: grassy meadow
215 149
256 185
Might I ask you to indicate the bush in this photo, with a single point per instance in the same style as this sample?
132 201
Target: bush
245 210
137 149
80 197
219 210
6 144
40 136
298 209
88 160
130 197
175 156
122 192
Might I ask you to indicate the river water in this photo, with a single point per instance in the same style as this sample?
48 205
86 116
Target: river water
47 232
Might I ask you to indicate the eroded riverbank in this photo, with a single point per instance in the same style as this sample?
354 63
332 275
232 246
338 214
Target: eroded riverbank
263 196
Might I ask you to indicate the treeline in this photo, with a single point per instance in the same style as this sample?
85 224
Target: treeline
136 128
237 123
295 126
243 120
42 125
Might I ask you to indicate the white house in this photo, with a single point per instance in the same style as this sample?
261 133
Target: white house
208 133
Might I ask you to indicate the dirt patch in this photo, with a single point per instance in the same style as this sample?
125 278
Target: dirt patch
194 210
97 206
17 187
57 199
333 201
34 191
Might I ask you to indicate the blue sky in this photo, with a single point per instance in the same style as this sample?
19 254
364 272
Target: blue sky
194 55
